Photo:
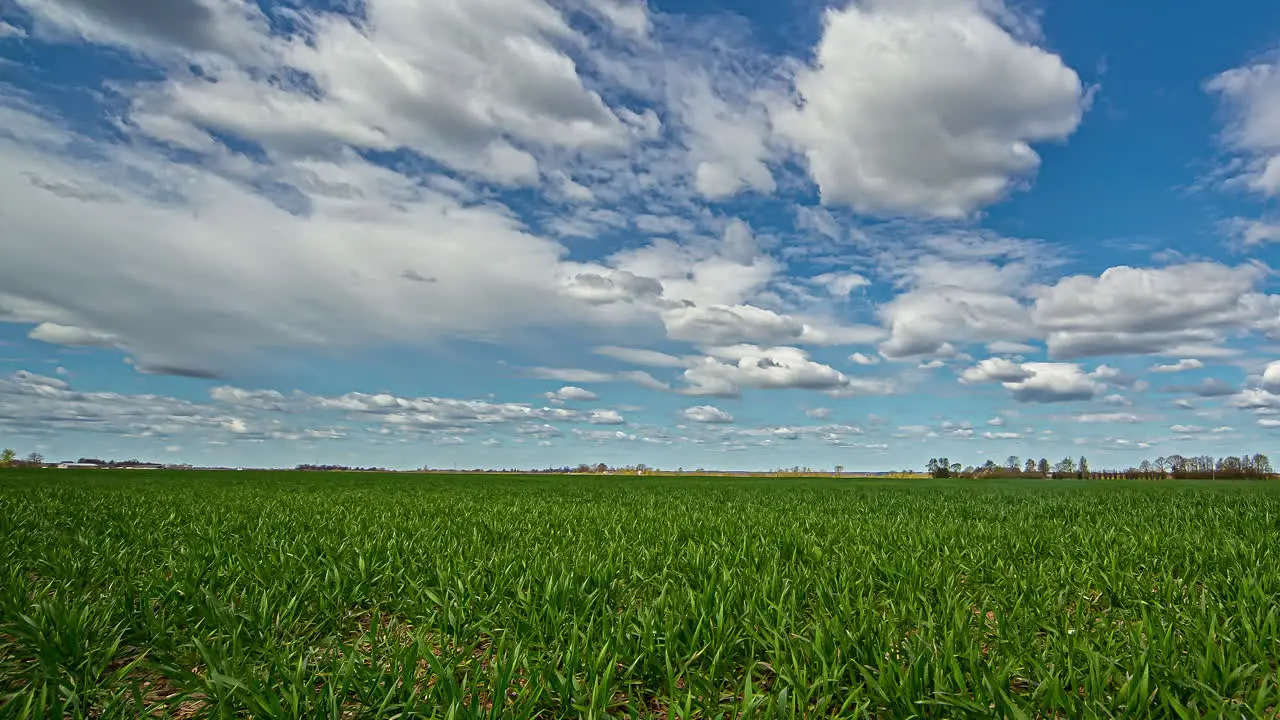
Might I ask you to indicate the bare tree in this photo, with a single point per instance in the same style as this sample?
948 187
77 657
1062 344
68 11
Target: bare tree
1262 464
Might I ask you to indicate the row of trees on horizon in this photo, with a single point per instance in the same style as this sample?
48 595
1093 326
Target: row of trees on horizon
9 458
1163 467
1257 465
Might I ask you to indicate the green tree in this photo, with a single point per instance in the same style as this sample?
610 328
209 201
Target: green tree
1012 463
7 456
1083 471
1043 467
940 467
1030 467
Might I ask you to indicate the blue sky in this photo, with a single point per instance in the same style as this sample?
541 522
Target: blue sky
530 233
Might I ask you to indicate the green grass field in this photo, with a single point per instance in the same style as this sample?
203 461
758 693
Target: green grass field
283 595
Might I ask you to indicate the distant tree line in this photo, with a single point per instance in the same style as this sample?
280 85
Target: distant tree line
338 468
9 458
638 469
110 464
1171 466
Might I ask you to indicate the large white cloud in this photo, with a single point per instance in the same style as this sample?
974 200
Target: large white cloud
726 325
1152 310
376 258
35 404
959 288
729 369
995 370
1054 382
1039 382
1251 97
728 142
923 322
926 107
157 27
727 270
474 85
611 287
1271 377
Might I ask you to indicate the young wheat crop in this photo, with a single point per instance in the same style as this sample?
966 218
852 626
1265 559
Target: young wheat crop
291 595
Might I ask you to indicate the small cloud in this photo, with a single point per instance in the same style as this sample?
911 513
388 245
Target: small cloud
174 370
996 370
572 393
818 413
1111 417
415 276
641 356
840 284
1002 347
1253 232
605 417
1117 399
706 414
1180 366
72 336
1209 388
996 422
1271 377
864 359
11 31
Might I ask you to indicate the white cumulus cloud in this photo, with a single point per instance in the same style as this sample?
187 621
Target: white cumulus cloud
706 414
926 108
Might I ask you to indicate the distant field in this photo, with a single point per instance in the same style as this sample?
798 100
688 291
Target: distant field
282 595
